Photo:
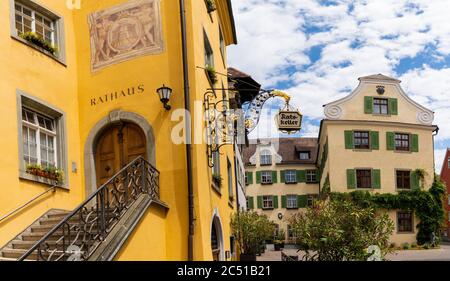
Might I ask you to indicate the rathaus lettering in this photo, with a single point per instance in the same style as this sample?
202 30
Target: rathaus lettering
117 95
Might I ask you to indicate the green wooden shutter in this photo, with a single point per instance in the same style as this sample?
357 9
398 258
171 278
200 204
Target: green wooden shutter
260 202
258 177
374 140
348 139
351 179
275 201
368 105
250 177
393 106
282 173
274 177
301 176
415 143
390 141
376 179
302 201
415 182
283 201
250 203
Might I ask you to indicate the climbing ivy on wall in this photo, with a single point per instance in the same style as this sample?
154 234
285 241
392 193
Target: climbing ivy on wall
427 205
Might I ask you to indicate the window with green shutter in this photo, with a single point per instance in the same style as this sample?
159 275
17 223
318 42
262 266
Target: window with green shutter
368 105
415 181
376 179
275 201
374 140
351 179
390 140
274 176
259 202
348 139
282 173
258 177
301 175
283 201
393 106
248 178
302 201
250 204
414 143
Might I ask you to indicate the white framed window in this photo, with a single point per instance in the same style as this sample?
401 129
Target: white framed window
311 176
265 158
28 19
266 177
290 176
268 202
39 139
310 200
291 202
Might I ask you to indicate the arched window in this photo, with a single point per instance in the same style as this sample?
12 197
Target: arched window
265 157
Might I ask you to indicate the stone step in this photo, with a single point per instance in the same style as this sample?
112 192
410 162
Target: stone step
25 245
35 236
17 253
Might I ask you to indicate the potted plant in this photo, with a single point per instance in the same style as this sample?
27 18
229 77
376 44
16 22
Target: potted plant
211 73
278 241
39 41
49 172
217 179
210 6
250 230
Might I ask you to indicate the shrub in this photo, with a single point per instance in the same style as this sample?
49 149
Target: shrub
414 245
250 230
339 230
406 246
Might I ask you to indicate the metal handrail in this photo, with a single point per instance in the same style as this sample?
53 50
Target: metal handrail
27 203
100 191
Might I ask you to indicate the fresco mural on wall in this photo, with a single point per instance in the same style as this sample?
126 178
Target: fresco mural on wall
125 32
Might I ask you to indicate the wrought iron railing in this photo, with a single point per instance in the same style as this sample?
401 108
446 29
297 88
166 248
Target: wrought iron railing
79 234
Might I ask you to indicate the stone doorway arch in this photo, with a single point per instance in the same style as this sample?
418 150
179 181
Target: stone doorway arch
112 118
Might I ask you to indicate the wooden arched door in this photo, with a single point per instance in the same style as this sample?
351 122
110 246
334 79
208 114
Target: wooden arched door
117 146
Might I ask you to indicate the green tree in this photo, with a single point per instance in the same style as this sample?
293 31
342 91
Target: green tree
340 230
250 230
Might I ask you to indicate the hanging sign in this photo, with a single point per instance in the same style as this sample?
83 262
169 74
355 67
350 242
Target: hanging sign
289 121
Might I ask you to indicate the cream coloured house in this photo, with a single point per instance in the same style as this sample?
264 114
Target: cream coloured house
281 178
374 139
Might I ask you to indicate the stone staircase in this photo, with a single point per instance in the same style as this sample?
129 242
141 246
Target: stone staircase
25 240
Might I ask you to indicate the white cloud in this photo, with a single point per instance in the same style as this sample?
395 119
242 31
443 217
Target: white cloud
439 156
358 38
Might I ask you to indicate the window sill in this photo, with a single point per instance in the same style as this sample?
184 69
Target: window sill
216 189
29 177
312 182
37 48
362 149
293 208
267 209
403 189
265 164
266 183
403 151
290 182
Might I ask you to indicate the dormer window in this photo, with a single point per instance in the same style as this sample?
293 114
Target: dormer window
304 155
265 158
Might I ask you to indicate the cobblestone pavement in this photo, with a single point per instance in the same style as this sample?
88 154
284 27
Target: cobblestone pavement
442 254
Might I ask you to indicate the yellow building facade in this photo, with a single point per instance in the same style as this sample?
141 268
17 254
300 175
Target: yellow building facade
97 96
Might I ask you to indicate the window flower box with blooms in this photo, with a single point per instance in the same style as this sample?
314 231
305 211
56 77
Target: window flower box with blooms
39 42
48 172
217 179
212 76
210 6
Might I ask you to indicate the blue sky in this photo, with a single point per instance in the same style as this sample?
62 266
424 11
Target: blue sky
315 50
